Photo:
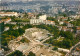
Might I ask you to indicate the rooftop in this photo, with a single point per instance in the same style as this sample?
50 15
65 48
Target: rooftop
8 12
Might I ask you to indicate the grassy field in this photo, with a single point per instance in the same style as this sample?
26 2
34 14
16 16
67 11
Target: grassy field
21 20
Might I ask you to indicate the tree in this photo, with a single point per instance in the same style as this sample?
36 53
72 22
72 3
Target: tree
55 48
31 54
66 43
21 31
2 27
16 53
67 35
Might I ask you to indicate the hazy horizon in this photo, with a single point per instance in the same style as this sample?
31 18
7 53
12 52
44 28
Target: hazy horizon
34 0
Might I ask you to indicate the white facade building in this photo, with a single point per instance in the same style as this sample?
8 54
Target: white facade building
43 17
39 21
8 14
42 20
61 22
7 20
6 28
36 21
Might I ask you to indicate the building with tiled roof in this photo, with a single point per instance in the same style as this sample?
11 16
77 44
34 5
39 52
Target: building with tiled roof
78 30
8 14
5 20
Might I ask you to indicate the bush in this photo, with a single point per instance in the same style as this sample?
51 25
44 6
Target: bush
31 54
16 53
55 48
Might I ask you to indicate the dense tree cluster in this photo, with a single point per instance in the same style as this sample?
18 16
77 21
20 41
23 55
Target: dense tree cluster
16 53
24 40
53 19
10 35
67 42
1 27
76 23
31 54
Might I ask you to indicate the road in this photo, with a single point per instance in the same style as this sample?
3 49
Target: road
72 48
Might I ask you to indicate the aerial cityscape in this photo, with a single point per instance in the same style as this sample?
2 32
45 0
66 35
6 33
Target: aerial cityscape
39 27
